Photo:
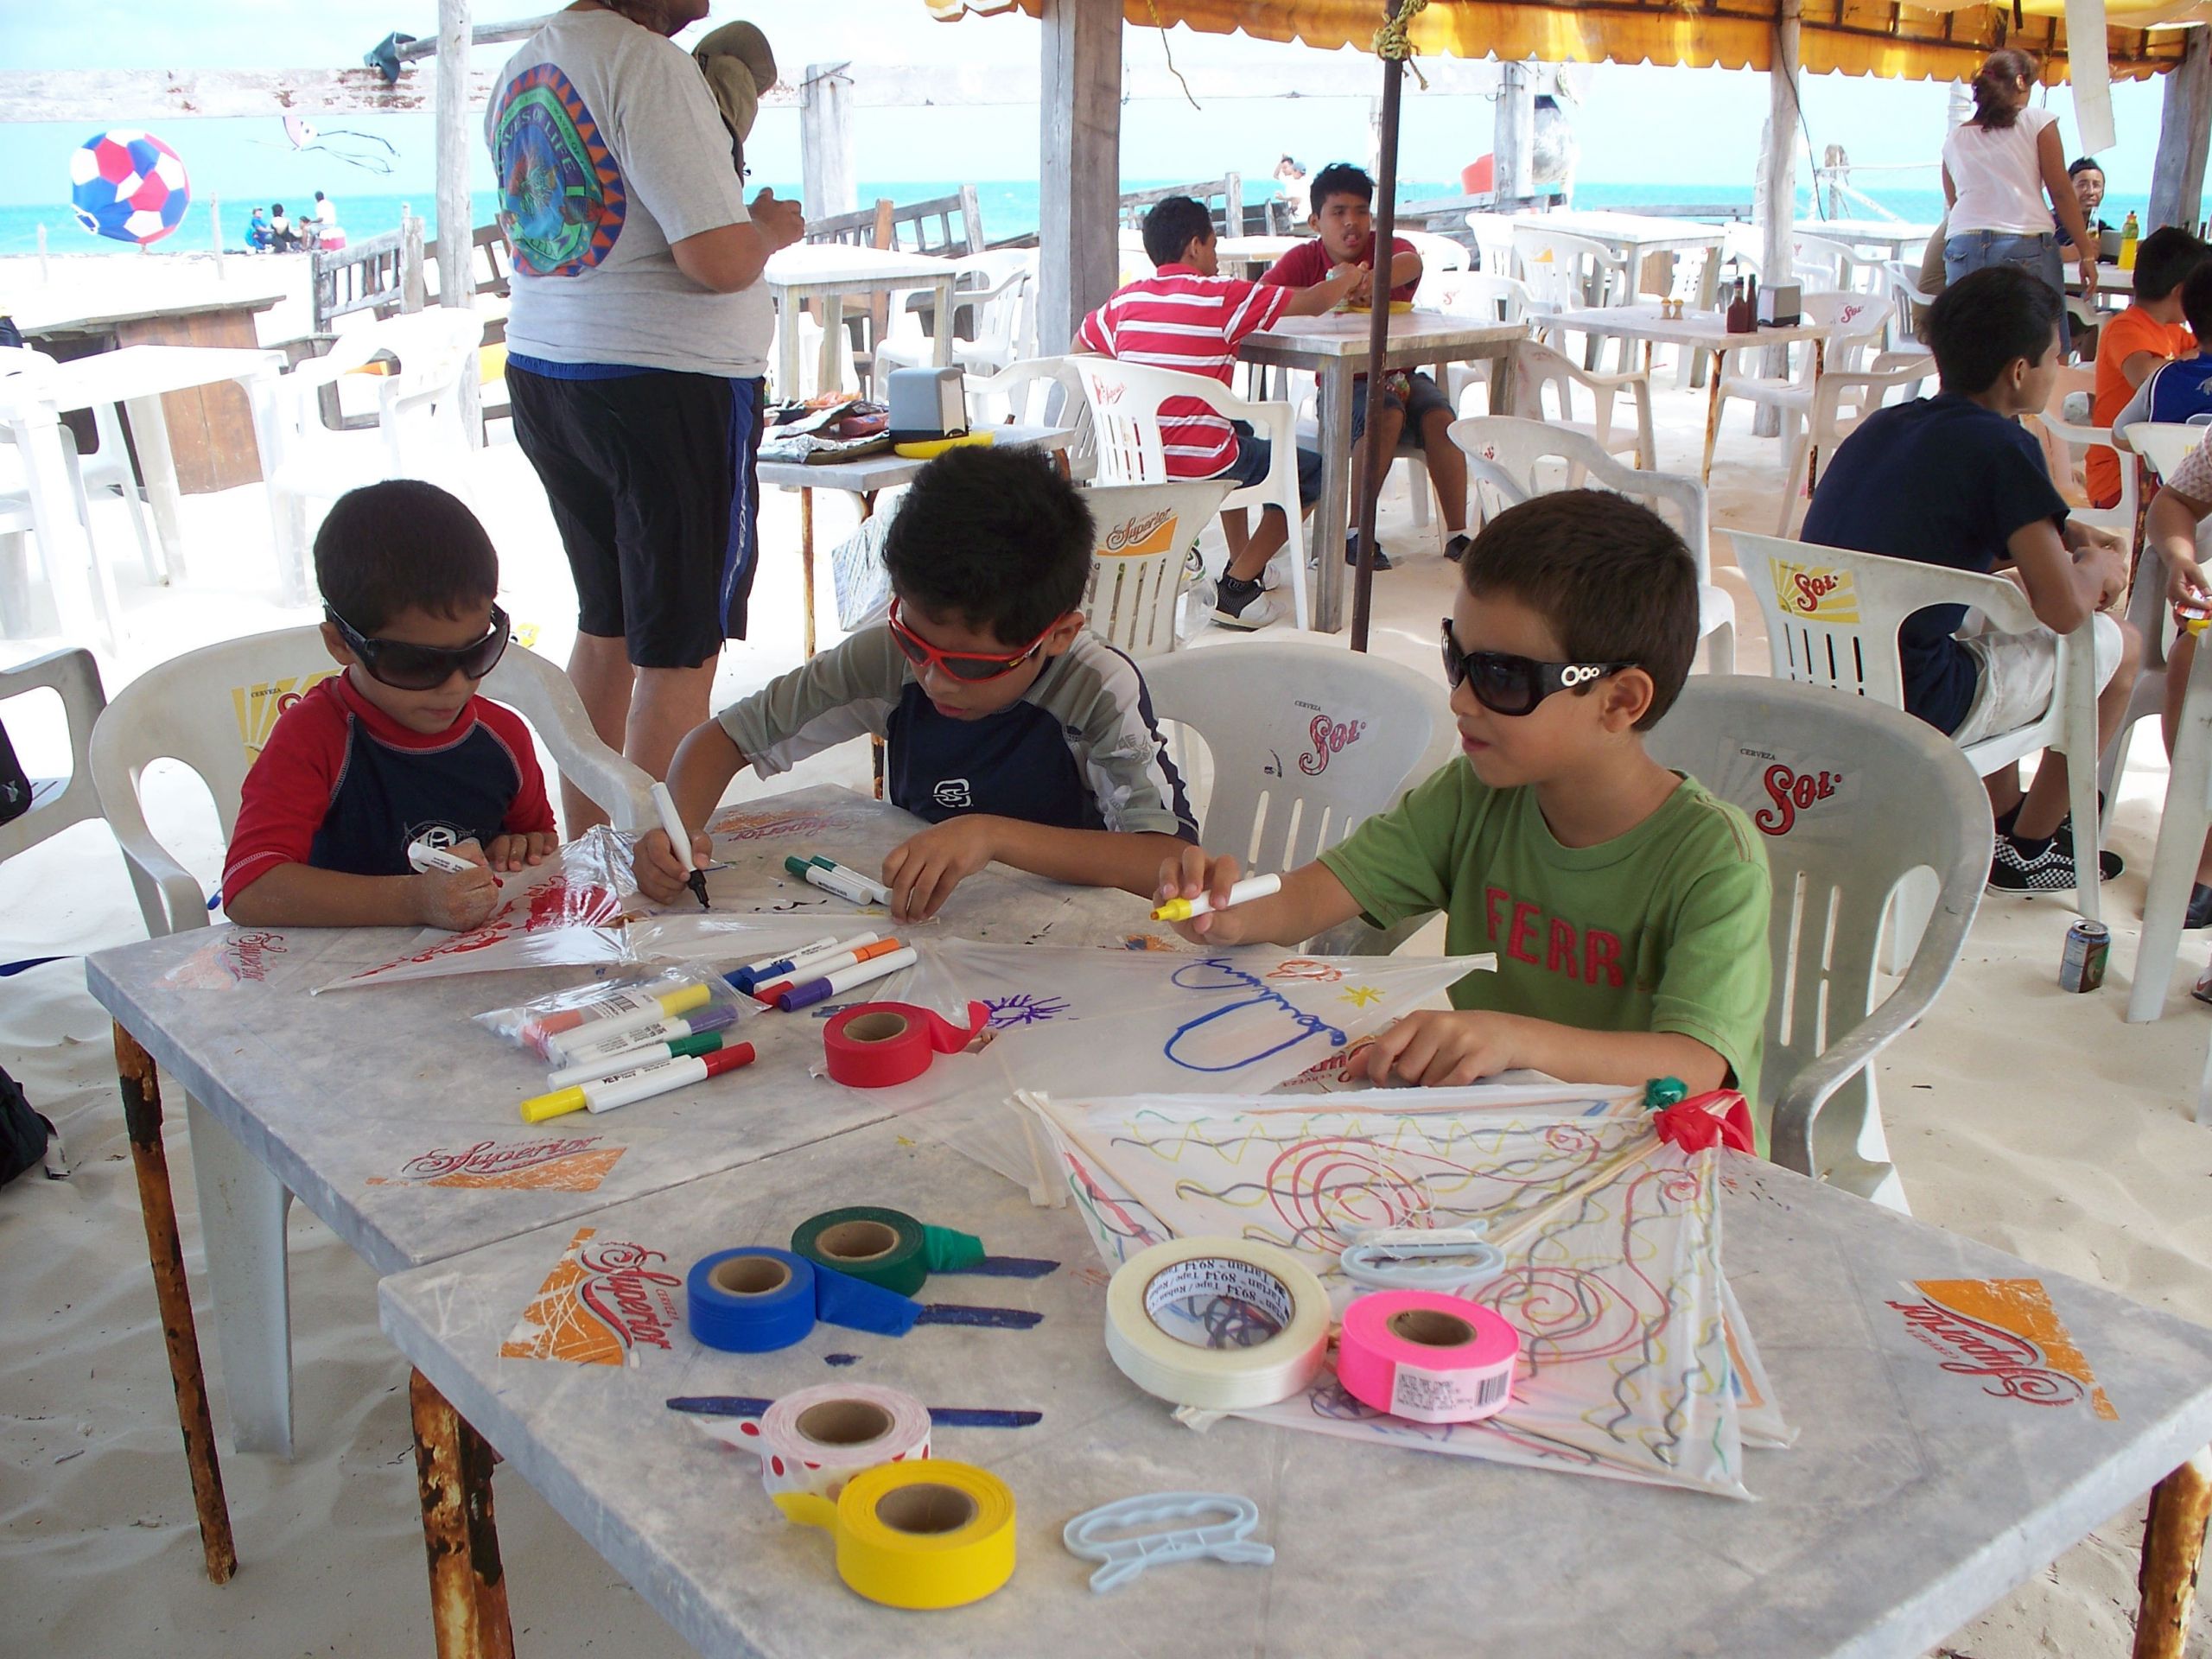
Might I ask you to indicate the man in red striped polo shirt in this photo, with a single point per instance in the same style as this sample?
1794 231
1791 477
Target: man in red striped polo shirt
1188 318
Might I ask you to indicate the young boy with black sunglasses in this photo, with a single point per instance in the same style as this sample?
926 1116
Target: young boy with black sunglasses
397 747
1628 908
1018 734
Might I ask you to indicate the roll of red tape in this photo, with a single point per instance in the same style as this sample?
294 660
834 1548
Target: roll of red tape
878 1044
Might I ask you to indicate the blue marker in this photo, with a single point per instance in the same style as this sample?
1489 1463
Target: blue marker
767 973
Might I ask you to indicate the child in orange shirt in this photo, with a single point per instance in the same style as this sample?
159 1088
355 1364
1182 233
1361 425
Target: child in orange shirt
2147 333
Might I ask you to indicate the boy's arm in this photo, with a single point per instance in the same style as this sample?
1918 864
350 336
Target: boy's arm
1437 1049
2172 528
2137 407
1325 294
300 895
923 871
2065 586
1405 267
1311 901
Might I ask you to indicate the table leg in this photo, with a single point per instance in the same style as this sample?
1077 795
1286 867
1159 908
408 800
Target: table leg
2173 1541
826 378
806 560
942 354
1332 512
1712 422
66 547
1708 296
142 1117
788 309
1812 448
468 1589
150 431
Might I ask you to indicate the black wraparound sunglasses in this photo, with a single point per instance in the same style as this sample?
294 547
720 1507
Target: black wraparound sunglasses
407 667
1514 685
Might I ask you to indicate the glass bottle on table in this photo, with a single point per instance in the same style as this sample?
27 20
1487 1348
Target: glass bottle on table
2129 233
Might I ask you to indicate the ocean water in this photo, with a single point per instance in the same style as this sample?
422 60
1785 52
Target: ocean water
1009 208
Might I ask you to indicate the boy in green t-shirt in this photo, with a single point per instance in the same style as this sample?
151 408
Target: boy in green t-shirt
1627 906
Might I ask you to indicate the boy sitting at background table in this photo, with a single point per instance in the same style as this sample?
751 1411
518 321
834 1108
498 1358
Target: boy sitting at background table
1019 734
2179 391
1628 906
2149 333
1343 225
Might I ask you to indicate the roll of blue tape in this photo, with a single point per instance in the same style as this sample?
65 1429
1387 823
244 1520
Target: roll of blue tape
751 1301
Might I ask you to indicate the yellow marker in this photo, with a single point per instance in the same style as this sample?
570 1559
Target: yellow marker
1181 910
559 1104
931 1533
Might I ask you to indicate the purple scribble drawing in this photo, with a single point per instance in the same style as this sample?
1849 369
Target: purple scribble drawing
1024 1008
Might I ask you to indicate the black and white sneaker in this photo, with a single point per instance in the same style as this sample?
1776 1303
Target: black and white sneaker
1456 549
1240 605
2051 870
1351 551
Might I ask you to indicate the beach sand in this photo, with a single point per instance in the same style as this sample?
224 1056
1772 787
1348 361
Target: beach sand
2027 1118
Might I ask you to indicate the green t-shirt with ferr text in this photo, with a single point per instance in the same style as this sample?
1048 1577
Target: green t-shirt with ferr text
1663 928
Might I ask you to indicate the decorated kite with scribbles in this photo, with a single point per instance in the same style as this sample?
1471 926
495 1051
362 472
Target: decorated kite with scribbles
1635 1362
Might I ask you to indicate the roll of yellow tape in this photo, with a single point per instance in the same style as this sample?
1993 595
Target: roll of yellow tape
1222 1324
917 1535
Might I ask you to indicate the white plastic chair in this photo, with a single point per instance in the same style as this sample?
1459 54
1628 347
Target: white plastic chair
2183 823
20 367
1494 248
1306 740
1569 273
1441 261
1910 298
1840 267
1904 804
1858 321
1539 368
2080 436
420 430
1004 325
57 803
1137 572
1510 460
1838 628
108 467
1125 400
1047 391
193 709
1488 299
1841 400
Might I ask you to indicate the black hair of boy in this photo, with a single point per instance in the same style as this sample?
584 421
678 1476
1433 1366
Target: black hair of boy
2196 304
1985 321
996 538
1173 224
2163 260
1610 577
403 543
1341 179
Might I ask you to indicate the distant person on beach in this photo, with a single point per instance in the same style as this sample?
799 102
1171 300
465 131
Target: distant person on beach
1997 169
326 210
1188 317
2151 332
1291 176
1954 481
282 236
258 234
637 341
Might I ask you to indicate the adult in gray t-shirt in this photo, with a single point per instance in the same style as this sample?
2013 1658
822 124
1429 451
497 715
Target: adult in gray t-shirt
637 334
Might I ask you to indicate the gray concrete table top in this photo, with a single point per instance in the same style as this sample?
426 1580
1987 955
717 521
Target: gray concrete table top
1939 1461
392 1116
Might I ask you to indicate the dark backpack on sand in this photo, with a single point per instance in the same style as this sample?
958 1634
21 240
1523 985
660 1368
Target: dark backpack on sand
27 1138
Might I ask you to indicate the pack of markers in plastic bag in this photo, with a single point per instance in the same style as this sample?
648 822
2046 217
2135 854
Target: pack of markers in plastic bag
592 1022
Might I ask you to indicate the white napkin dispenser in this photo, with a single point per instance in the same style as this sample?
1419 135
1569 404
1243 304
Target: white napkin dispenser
925 403
1781 305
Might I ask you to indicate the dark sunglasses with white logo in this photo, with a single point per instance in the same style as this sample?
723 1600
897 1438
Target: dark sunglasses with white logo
1506 684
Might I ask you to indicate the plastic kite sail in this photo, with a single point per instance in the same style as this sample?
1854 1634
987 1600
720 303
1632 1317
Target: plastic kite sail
1635 1364
356 150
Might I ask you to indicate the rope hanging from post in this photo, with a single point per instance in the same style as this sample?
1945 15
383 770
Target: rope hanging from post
1391 40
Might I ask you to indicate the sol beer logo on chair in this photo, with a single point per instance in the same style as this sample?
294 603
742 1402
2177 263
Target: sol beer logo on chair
1817 593
260 707
2005 1333
603 1304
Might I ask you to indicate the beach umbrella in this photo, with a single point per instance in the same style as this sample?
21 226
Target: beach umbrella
128 185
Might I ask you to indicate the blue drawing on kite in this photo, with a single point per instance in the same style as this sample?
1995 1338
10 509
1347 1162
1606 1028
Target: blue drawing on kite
1024 1008
1218 974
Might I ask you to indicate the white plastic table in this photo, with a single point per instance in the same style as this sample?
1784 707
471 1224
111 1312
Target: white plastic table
1634 236
1896 239
135 379
353 1100
832 273
1334 348
1927 1479
1251 255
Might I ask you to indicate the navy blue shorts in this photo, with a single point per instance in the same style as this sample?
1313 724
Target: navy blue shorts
1255 456
1420 400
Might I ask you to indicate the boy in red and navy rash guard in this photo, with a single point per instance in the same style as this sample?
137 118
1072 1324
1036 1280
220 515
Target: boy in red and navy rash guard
398 747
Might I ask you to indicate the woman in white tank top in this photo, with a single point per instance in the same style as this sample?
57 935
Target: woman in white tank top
1997 170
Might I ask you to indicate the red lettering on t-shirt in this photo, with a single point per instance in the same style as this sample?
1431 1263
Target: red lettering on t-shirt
1561 951
1601 951
1492 898
1520 945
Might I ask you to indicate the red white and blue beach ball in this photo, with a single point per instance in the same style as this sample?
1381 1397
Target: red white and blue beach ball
127 185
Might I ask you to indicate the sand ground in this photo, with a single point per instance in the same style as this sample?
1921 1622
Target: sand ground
2027 1118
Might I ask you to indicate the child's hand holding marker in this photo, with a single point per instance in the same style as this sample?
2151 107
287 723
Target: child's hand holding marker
455 888
1200 899
659 874
923 871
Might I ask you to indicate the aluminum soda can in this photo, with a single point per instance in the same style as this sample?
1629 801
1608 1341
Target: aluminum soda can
2083 967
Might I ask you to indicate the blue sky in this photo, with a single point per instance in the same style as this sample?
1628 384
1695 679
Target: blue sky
1640 123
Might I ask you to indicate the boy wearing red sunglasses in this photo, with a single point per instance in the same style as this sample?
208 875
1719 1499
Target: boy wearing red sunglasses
1018 735
1627 906
397 747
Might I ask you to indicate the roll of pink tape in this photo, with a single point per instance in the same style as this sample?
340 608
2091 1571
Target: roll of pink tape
1425 1357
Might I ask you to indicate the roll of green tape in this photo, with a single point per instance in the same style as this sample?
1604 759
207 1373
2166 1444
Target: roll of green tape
887 1247
949 1251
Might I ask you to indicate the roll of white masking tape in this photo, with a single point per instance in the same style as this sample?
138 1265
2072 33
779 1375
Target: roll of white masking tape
817 1440
1221 1323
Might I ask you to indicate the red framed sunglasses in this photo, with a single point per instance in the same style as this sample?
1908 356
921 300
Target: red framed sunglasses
974 667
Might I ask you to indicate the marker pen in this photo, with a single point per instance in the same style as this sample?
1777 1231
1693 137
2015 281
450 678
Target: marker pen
680 839
636 1059
644 1084
590 1044
828 882
753 973
1181 910
875 889
820 966
426 858
638 1006
821 990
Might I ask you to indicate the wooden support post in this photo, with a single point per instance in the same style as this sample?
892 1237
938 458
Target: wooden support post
468 1590
1775 202
142 1118
1079 196
825 140
457 249
1513 141
1369 466
2184 131
413 286
2173 1541
806 564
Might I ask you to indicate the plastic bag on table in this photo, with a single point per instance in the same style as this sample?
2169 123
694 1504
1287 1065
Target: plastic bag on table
561 1020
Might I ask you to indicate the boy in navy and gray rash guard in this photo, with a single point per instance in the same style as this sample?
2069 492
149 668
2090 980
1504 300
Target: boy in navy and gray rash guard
397 747
1018 735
